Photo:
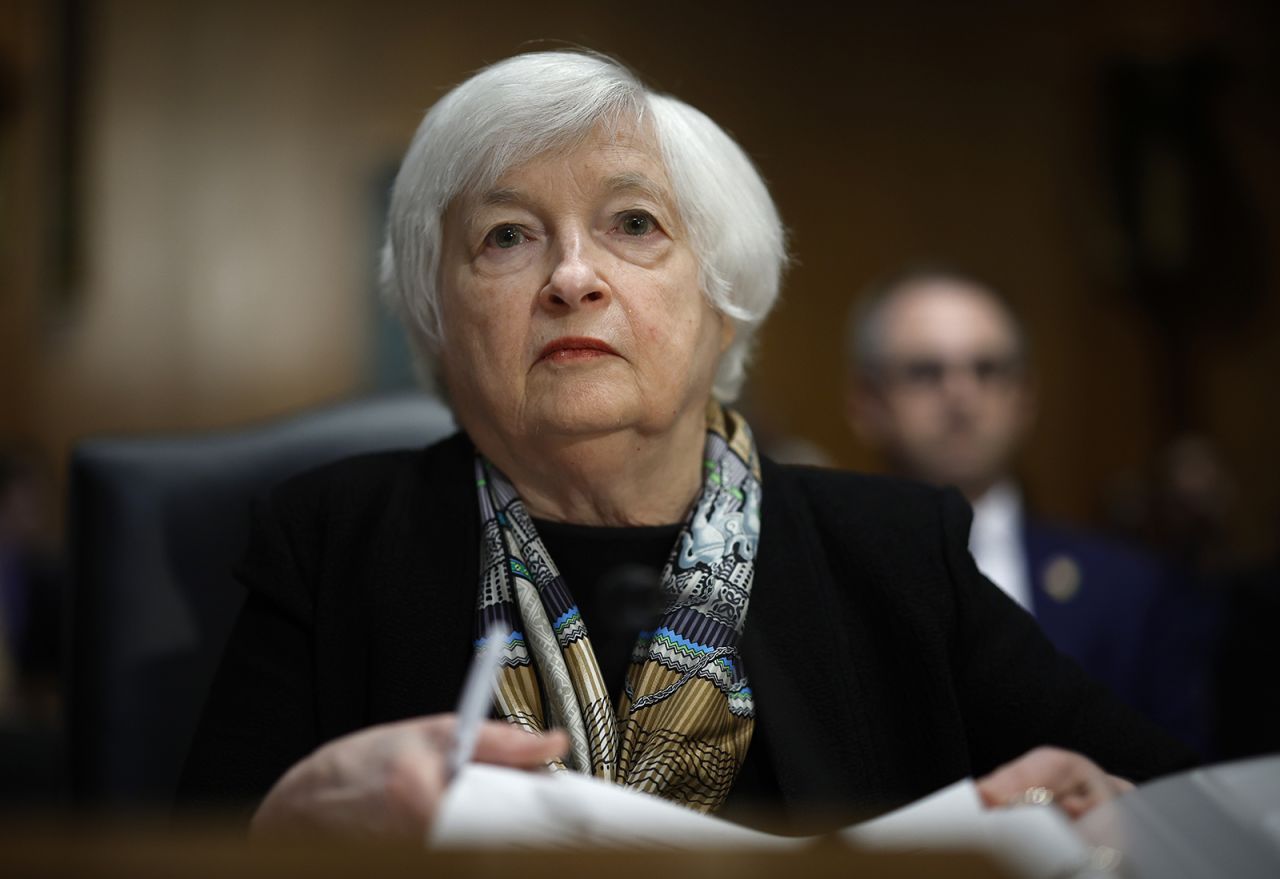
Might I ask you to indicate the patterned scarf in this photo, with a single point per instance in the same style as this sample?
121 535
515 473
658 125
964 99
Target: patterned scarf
681 727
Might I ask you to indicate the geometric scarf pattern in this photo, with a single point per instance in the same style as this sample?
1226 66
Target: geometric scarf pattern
681 727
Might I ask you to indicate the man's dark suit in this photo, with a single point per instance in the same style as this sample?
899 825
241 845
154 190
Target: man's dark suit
884 666
1128 621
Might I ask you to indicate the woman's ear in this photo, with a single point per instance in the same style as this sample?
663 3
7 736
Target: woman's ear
728 332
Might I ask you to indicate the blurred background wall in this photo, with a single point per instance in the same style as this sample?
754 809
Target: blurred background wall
189 198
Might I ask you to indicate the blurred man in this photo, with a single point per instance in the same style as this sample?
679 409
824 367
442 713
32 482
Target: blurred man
939 384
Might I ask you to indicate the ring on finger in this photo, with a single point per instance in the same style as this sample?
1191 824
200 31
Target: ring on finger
1036 795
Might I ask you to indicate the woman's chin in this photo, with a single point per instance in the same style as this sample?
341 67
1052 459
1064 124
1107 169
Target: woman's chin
580 416
581 404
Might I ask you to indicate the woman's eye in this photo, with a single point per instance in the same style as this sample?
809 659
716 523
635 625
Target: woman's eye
637 223
505 237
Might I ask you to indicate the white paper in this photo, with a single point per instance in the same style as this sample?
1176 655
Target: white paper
493 807
1033 841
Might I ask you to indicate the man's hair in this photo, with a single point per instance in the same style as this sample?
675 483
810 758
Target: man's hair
865 331
526 106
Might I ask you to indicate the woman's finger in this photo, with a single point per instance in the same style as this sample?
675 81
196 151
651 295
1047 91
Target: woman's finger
1051 775
1039 768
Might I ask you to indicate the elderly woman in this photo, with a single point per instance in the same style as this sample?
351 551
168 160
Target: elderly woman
583 265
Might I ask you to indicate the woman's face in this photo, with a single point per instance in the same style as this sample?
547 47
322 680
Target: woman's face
570 300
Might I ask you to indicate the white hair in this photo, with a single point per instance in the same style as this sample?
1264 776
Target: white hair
523 107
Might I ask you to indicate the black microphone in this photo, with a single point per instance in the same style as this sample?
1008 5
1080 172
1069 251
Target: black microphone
630 596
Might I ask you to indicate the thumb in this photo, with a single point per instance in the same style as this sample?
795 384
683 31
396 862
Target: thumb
506 745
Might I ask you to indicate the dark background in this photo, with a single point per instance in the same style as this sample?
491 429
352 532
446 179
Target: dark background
190 194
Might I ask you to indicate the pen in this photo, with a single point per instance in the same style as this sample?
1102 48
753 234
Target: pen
477 692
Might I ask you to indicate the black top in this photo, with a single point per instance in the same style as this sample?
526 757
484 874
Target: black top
883 665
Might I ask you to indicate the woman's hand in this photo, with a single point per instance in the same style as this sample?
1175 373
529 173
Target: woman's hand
389 780
1070 780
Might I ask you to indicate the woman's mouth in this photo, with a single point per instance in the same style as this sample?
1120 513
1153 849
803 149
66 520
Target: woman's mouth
571 349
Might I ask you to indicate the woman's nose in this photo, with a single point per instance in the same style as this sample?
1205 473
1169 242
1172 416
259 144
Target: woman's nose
575 280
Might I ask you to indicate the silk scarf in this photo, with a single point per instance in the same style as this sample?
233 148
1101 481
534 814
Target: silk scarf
681 726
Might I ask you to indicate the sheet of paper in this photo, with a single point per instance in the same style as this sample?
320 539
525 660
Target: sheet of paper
492 807
1034 841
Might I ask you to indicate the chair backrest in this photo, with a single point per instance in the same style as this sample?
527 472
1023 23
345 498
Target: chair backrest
157 523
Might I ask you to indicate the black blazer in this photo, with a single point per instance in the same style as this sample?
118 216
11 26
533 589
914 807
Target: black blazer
884 666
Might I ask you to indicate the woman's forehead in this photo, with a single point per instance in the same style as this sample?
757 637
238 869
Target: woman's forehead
607 159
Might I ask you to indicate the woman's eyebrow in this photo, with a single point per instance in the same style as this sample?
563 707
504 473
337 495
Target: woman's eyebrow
626 182
504 195
633 181
500 197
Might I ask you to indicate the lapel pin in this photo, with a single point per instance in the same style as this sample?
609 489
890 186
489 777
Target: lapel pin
1061 578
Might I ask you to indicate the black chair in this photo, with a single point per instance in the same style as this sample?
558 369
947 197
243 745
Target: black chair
157 523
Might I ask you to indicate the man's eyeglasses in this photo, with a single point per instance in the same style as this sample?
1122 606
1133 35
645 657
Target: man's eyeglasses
930 373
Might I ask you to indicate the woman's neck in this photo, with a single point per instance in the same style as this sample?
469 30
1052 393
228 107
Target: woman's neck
622 478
